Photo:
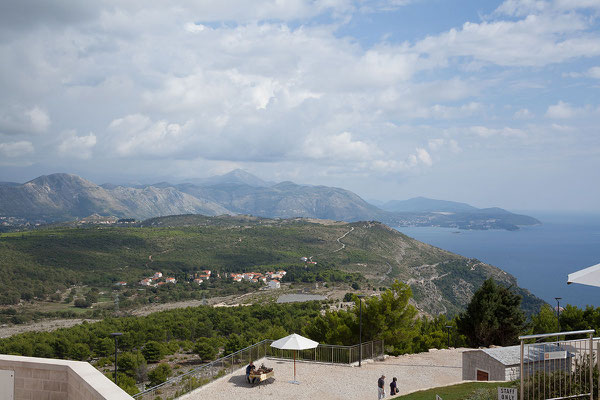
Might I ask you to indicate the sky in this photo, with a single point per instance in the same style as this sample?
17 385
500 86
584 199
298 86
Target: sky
487 102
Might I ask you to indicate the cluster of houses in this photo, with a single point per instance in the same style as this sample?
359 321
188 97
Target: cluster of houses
157 280
271 279
204 276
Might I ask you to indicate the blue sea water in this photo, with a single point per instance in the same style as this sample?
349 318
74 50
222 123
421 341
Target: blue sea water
540 257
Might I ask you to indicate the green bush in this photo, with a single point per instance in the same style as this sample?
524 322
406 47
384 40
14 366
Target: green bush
159 374
153 351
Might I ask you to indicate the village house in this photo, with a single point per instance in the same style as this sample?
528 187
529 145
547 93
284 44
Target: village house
157 275
170 280
146 282
274 284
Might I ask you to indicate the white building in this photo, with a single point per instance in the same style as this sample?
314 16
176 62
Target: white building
274 284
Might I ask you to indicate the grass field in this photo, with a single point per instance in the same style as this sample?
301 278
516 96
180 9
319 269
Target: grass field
457 392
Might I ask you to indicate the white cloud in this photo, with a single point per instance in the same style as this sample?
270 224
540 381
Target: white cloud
16 120
339 147
435 144
555 38
424 157
77 146
138 135
16 149
494 132
527 7
523 113
440 143
594 72
563 110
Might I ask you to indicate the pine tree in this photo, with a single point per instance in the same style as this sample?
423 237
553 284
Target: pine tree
493 317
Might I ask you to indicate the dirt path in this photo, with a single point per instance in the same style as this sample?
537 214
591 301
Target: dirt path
386 275
340 242
44 326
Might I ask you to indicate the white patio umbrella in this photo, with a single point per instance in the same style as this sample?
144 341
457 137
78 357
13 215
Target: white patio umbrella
588 276
294 342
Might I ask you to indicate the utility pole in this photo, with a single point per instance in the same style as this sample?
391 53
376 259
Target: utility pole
360 297
116 336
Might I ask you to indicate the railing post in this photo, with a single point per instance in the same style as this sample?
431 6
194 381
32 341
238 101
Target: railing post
591 367
522 395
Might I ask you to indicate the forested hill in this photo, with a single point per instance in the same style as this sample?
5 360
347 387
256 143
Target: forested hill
44 260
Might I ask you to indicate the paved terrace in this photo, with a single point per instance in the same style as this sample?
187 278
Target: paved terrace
329 382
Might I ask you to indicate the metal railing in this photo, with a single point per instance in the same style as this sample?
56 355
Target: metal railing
323 353
561 369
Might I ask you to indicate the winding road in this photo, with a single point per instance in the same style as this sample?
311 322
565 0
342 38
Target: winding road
340 238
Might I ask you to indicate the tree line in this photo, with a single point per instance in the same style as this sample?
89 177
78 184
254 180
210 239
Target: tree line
492 317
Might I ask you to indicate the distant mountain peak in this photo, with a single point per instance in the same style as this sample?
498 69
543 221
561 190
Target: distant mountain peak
236 176
60 179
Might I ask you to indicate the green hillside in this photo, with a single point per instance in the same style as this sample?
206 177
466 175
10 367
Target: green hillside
38 263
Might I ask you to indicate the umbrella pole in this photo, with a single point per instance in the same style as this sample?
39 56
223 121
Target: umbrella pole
295 366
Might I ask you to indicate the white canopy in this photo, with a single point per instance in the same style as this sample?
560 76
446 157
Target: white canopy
294 342
588 276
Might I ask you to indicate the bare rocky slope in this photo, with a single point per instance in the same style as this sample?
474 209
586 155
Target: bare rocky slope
64 196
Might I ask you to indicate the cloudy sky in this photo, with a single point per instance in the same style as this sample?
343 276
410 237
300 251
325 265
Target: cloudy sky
489 102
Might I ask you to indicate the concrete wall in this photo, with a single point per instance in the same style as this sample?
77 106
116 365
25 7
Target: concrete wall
473 360
49 379
513 373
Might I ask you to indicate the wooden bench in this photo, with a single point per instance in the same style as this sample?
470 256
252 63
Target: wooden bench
261 377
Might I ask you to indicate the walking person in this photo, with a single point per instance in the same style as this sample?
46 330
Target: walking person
380 387
394 387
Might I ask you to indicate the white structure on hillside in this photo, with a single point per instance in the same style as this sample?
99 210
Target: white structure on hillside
274 284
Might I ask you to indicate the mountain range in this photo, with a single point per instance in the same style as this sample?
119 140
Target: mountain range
62 197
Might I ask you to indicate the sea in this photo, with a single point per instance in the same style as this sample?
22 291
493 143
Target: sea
540 256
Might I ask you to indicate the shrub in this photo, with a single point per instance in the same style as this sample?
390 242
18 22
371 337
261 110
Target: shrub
159 374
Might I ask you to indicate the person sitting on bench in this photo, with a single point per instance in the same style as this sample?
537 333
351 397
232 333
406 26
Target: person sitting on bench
250 368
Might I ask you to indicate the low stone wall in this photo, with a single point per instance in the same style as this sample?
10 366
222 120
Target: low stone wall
50 379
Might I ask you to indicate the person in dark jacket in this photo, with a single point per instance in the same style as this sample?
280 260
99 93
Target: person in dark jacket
380 387
394 387
249 369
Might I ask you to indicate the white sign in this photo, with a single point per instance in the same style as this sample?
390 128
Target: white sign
505 393
555 355
7 383
438 397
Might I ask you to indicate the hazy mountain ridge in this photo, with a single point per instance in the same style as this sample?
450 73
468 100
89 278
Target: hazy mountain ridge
59 197
64 196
